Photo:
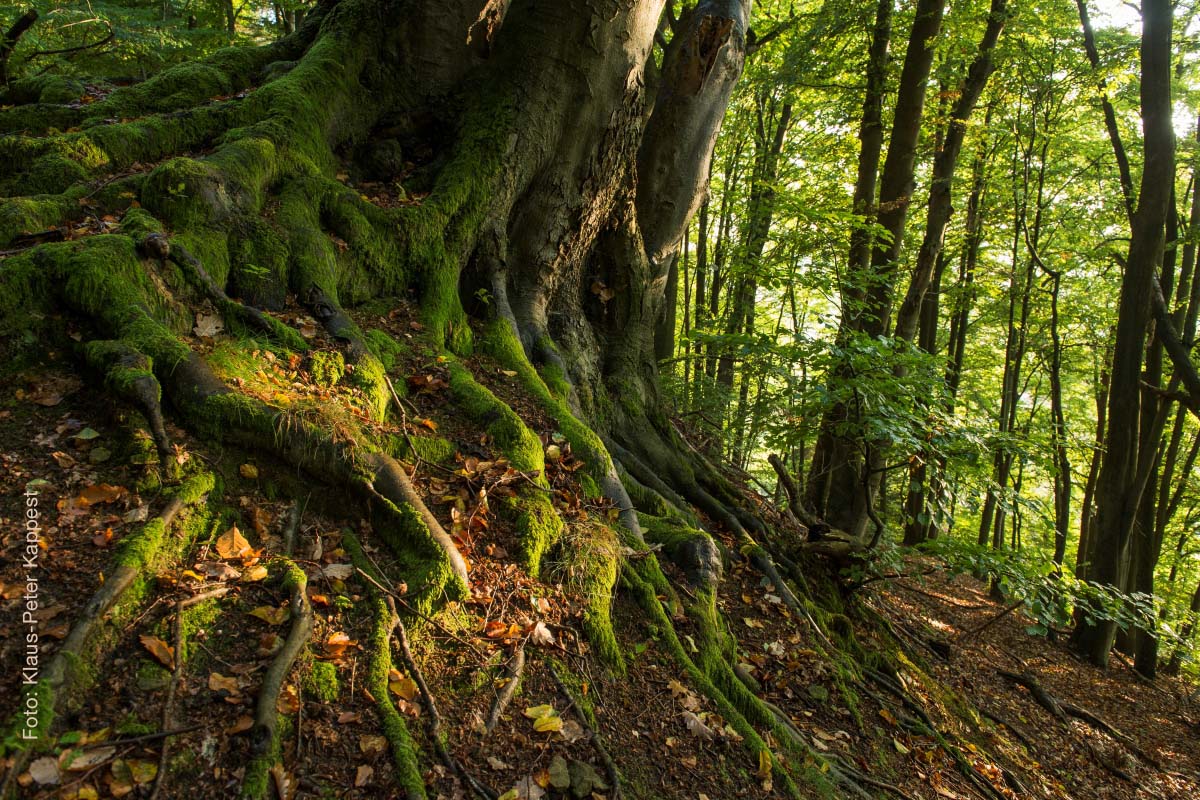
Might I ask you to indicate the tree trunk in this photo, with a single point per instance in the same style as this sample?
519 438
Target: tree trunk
1117 494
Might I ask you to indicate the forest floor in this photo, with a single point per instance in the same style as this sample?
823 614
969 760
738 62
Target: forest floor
571 719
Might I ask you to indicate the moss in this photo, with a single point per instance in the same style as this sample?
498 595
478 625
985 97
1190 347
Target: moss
140 550
516 441
369 376
404 749
502 344
384 348
433 449
590 559
196 618
33 214
539 528
327 368
321 682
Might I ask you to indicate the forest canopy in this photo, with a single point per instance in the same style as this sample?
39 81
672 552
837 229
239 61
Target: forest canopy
561 343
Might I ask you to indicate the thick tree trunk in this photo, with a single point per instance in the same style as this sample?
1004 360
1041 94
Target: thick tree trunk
1117 494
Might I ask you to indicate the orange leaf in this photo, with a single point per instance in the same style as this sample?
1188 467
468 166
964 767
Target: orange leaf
162 652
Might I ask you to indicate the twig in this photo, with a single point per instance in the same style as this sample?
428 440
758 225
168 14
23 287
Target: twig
614 777
516 666
435 719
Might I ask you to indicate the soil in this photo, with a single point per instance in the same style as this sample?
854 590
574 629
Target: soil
664 736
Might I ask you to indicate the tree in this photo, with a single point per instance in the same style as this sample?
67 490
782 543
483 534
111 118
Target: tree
1118 491
545 188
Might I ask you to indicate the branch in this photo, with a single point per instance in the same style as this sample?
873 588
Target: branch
18 29
1164 328
64 50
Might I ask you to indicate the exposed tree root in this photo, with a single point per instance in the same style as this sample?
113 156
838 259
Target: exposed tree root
134 566
404 749
264 736
610 767
436 736
1061 711
168 710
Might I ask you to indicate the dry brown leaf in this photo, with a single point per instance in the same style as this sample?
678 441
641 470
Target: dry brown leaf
162 652
231 544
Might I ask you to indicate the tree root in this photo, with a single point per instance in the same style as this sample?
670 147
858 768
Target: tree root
168 710
964 765
404 751
264 736
1062 711
610 767
435 719
134 561
514 671
157 245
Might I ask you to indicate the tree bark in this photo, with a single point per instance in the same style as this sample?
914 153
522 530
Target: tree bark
1117 496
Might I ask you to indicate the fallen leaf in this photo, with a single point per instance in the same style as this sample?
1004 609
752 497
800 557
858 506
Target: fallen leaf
541 635
404 687
338 572
162 652
222 683
900 748
548 723
497 764
372 745
248 471
45 771
83 760
285 787
697 727
362 776
347 717
270 614
208 325
243 724
288 701
256 573
231 544
337 643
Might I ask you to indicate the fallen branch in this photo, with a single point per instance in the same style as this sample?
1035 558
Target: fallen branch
266 716
1065 710
516 667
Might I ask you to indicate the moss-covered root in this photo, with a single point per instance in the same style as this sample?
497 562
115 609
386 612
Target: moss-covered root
130 375
136 561
404 750
710 675
235 313
264 736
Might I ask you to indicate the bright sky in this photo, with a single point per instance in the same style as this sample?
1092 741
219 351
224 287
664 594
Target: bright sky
1115 13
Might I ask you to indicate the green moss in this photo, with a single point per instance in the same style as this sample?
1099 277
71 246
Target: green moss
384 348
516 441
327 368
433 449
321 682
539 528
369 376
404 749
590 560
